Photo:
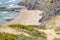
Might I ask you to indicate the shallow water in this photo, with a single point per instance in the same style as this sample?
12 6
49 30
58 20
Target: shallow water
4 16
8 15
8 3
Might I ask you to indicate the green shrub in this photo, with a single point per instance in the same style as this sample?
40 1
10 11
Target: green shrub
39 34
26 26
42 27
38 26
6 36
31 29
57 29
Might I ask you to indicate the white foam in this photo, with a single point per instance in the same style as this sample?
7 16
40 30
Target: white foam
11 5
8 17
5 12
11 0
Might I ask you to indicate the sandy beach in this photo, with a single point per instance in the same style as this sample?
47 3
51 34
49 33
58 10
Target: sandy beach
28 17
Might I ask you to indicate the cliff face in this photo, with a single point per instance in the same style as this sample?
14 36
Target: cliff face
33 4
51 12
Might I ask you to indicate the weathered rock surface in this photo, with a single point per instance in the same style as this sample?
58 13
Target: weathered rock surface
33 4
52 11
3 9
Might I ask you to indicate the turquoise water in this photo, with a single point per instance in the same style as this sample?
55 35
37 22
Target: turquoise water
2 1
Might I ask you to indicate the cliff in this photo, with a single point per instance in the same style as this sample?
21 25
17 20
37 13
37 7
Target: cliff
33 4
51 11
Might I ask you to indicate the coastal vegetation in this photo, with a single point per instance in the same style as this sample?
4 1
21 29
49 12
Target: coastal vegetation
27 26
35 36
58 12
30 29
50 12
6 36
57 30
56 39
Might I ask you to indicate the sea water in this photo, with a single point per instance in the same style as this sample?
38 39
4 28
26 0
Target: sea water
7 3
4 15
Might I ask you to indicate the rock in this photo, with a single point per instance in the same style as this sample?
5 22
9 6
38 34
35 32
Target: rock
33 4
9 19
3 9
52 12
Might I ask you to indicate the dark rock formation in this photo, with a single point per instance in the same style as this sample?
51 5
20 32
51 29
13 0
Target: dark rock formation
9 20
40 5
3 9
33 4
11 9
52 11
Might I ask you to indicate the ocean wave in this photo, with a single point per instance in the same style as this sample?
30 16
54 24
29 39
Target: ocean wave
9 3
11 0
4 12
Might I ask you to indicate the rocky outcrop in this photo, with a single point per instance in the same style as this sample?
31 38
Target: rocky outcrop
11 8
33 4
52 11
3 9
40 5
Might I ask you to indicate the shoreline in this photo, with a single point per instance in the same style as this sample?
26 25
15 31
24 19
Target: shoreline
28 17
